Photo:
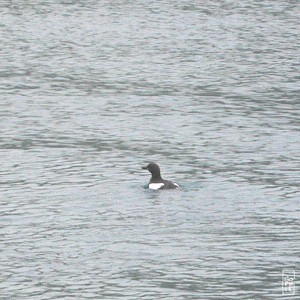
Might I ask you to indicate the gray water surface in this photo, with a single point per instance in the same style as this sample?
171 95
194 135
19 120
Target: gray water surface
93 90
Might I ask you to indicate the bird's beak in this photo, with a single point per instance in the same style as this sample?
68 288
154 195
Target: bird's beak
144 168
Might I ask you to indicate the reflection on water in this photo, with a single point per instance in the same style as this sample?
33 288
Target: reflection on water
92 91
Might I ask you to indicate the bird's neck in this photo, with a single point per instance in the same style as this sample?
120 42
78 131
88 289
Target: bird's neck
156 177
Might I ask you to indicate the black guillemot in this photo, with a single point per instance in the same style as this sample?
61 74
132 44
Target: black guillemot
156 182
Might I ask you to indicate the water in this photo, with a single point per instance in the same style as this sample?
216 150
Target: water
93 90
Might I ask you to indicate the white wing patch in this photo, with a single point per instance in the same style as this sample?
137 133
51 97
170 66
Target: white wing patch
155 186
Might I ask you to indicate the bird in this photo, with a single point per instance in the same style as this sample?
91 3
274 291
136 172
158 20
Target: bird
156 182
